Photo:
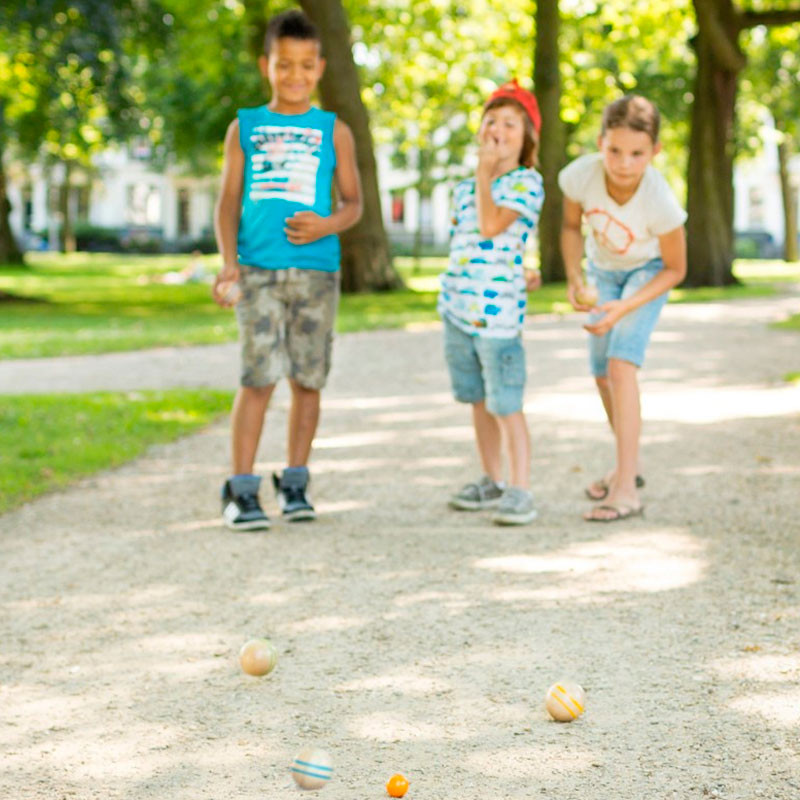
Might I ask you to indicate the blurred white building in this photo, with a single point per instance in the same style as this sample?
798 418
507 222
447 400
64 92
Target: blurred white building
125 194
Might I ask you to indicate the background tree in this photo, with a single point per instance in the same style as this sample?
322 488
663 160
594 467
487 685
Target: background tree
772 81
366 260
552 153
720 60
68 90
427 69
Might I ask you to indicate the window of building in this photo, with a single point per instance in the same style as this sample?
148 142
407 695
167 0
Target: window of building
83 193
398 207
755 202
144 205
183 212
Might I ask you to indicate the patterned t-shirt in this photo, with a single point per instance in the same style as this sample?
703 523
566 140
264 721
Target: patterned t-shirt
483 291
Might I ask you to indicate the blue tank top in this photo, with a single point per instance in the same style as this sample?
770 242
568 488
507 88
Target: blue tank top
289 160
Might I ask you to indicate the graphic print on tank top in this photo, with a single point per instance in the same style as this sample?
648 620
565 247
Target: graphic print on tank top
285 163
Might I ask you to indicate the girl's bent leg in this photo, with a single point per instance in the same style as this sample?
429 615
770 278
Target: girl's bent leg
624 387
488 440
518 443
604 390
247 420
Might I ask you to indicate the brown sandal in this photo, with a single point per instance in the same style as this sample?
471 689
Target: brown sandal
602 488
620 512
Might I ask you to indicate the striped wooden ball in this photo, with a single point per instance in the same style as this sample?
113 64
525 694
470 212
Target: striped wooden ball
312 768
565 701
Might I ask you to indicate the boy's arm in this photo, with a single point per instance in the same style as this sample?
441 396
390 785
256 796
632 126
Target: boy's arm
492 219
307 226
673 254
572 251
228 212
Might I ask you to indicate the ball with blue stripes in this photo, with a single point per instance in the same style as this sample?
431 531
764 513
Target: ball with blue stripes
312 768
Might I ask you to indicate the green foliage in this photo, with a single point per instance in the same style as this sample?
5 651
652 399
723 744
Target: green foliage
770 81
66 73
49 441
611 49
427 68
205 71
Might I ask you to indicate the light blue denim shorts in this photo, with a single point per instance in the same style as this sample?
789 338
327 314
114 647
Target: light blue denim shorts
628 339
483 368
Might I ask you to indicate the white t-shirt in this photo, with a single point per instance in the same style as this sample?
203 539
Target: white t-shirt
621 236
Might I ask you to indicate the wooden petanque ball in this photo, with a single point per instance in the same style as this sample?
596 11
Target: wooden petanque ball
258 657
312 768
586 295
565 701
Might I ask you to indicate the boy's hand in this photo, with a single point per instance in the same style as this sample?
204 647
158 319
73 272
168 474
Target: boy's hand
614 311
305 227
533 279
223 283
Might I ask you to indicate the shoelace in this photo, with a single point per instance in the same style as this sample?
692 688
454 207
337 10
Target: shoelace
248 502
294 494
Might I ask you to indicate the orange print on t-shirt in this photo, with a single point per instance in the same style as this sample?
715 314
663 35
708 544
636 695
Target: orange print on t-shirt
609 232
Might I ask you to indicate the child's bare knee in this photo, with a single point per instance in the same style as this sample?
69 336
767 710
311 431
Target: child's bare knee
257 392
619 369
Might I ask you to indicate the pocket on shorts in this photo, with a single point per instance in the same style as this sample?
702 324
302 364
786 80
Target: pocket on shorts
512 366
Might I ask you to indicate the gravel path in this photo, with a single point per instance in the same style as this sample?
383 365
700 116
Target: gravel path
414 639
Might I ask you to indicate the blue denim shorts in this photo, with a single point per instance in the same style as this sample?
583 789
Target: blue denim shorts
628 339
483 368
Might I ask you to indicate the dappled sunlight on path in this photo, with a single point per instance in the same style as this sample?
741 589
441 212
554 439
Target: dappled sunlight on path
416 639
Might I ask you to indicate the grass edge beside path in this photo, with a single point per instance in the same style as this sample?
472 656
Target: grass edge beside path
48 442
98 303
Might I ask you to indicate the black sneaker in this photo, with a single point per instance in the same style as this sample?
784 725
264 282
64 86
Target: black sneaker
241 510
290 489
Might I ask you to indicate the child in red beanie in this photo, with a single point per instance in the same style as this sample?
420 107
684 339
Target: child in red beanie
483 298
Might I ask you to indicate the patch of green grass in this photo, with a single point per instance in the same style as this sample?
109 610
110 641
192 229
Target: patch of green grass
102 302
49 441
790 324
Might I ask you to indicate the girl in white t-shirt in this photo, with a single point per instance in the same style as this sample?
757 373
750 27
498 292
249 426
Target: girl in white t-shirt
636 252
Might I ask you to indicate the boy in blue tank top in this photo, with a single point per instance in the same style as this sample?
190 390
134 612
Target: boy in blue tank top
276 230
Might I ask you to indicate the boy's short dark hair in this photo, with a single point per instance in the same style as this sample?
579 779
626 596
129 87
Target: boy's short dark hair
291 25
635 112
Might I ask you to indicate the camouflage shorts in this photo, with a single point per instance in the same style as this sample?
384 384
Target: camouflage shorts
286 321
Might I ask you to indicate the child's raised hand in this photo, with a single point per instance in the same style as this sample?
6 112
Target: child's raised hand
488 152
305 226
613 310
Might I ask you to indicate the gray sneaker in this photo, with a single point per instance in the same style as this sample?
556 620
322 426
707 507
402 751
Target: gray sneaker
485 493
515 508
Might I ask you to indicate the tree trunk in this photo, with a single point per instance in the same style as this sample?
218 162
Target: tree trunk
711 149
67 233
790 248
10 252
552 147
366 261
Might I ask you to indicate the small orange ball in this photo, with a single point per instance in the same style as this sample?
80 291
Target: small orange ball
397 785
